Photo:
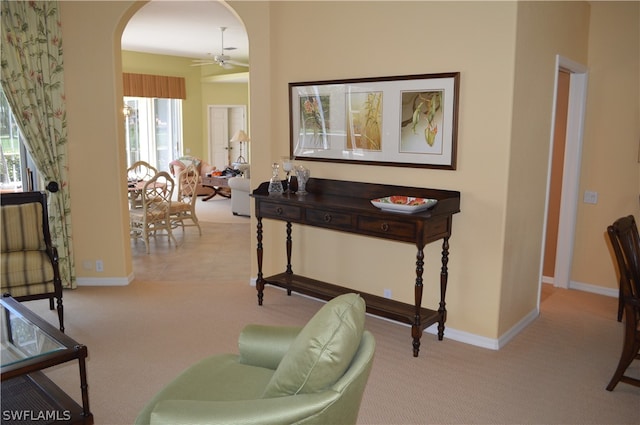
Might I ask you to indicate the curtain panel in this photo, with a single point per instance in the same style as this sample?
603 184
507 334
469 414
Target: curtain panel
162 87
32 79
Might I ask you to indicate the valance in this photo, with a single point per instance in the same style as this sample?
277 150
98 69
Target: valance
163 87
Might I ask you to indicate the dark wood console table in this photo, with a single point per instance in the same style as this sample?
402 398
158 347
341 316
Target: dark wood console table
345 206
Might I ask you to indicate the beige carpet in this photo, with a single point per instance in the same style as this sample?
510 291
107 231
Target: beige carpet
192 302
217 210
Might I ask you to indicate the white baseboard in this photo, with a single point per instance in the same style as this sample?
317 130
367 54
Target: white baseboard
586 287
547 279
464 337
483 341
517 328
594 289
104 281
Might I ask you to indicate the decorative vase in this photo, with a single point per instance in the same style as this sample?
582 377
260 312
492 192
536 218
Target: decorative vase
302 175
275 184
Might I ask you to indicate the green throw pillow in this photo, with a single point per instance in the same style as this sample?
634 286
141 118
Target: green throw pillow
323 349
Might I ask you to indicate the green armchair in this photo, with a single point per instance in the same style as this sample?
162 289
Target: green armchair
283 375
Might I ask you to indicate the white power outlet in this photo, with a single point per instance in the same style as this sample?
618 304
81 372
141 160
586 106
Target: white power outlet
590 197
99 266
387 293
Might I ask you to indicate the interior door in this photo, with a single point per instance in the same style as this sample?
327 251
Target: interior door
557 168
576 106
224 121
219 137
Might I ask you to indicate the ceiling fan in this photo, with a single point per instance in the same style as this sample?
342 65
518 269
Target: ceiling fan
223 60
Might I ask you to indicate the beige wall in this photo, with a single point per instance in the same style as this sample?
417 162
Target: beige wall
97 166
485 61
544 29
612 137
505 53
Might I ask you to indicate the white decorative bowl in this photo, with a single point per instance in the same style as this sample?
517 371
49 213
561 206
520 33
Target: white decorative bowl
403 204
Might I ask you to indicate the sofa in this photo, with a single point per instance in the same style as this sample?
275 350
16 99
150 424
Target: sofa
282 375
240 200
203 168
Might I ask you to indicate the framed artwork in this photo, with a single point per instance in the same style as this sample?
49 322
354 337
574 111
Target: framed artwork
409 121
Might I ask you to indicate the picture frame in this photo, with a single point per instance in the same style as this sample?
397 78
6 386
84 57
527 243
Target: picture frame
407 121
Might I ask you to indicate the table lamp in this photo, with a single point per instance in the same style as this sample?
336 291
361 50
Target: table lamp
241 137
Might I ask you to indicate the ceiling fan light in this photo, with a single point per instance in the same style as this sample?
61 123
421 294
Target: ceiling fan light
221 59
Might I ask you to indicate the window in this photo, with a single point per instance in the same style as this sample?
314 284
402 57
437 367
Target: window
153 130
16 167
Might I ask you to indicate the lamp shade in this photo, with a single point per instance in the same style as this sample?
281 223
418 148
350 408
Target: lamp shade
240 136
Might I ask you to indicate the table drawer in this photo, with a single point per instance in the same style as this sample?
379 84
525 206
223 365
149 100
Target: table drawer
273 210
329 219
395 229
439 228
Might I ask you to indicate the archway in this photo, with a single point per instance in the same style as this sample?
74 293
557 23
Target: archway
202 105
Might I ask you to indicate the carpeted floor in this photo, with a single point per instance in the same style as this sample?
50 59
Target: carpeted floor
192 302
217 210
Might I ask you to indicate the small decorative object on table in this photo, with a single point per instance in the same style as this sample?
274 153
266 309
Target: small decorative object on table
275 184
287 166
403 204
302 174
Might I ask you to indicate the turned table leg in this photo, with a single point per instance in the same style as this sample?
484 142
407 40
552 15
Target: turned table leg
444 276
289 246
416 328
260 279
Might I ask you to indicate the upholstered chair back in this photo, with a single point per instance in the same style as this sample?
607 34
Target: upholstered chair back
22 228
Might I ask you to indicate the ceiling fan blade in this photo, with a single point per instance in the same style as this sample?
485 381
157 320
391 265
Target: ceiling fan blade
202 62
232 62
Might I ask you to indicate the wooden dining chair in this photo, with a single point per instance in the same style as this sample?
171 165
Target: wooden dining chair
139 171
154 216
625 241
183 210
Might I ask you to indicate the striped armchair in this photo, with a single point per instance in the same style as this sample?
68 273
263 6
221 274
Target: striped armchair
30 268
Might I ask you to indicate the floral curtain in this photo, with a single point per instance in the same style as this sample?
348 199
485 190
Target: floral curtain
32 80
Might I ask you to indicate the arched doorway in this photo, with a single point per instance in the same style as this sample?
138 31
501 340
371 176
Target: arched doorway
200 149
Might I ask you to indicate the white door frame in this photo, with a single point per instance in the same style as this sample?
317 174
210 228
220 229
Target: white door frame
571 174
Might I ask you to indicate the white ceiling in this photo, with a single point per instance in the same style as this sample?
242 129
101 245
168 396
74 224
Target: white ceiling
186 28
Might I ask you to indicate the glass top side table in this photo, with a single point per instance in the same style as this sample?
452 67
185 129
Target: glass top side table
22 340
29 345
